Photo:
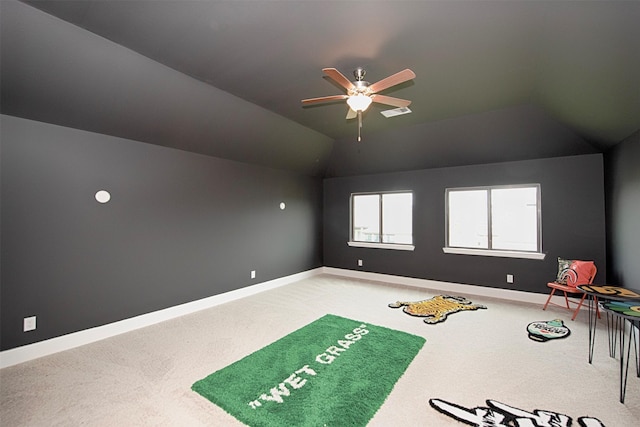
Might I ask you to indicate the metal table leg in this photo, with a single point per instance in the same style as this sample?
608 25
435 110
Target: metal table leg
635 330
624 368
592 324
612 333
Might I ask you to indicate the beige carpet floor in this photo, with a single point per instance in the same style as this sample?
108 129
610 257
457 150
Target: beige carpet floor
143 378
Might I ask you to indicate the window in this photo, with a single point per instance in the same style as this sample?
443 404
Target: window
497 221
383 220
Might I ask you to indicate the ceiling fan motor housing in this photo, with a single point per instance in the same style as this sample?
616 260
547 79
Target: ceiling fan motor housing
359 87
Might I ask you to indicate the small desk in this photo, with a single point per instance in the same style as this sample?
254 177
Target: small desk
604 293
629 311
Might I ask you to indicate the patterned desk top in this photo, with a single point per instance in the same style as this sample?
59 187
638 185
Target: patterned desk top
609 292
629 310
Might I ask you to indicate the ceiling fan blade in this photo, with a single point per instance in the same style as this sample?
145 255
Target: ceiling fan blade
338 77
351 114
392 80
389 100
324 99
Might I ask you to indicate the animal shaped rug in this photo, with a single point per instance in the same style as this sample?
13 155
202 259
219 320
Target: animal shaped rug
500 414
436 309
545 330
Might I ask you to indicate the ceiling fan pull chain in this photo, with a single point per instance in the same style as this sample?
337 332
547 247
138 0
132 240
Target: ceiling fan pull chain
359 124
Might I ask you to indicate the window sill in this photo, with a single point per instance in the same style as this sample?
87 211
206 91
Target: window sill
382 246
486 252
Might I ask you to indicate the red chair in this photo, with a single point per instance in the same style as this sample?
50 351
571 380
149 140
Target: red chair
570 275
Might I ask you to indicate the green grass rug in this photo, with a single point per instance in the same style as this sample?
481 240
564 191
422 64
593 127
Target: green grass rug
331 372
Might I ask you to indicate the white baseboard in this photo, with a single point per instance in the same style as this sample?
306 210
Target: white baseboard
87 336
28 352
447 287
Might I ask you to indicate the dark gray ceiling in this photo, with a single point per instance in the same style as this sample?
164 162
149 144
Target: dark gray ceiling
496 80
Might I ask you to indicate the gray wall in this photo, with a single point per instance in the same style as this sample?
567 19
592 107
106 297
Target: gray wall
573 222
622 169
179 227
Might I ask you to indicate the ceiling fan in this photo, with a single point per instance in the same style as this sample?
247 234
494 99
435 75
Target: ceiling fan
360 94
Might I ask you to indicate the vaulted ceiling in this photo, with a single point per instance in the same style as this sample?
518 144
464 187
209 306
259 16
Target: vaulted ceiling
495 80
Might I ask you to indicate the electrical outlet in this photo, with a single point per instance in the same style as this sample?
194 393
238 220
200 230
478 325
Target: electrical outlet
509 278
253 274
29 324
359 263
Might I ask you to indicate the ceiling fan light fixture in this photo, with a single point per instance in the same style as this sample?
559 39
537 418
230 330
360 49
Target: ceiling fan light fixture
359 102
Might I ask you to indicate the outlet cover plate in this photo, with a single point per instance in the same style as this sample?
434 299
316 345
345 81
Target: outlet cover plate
29 324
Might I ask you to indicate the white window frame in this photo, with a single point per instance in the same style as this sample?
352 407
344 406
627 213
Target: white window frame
489 251
379 245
